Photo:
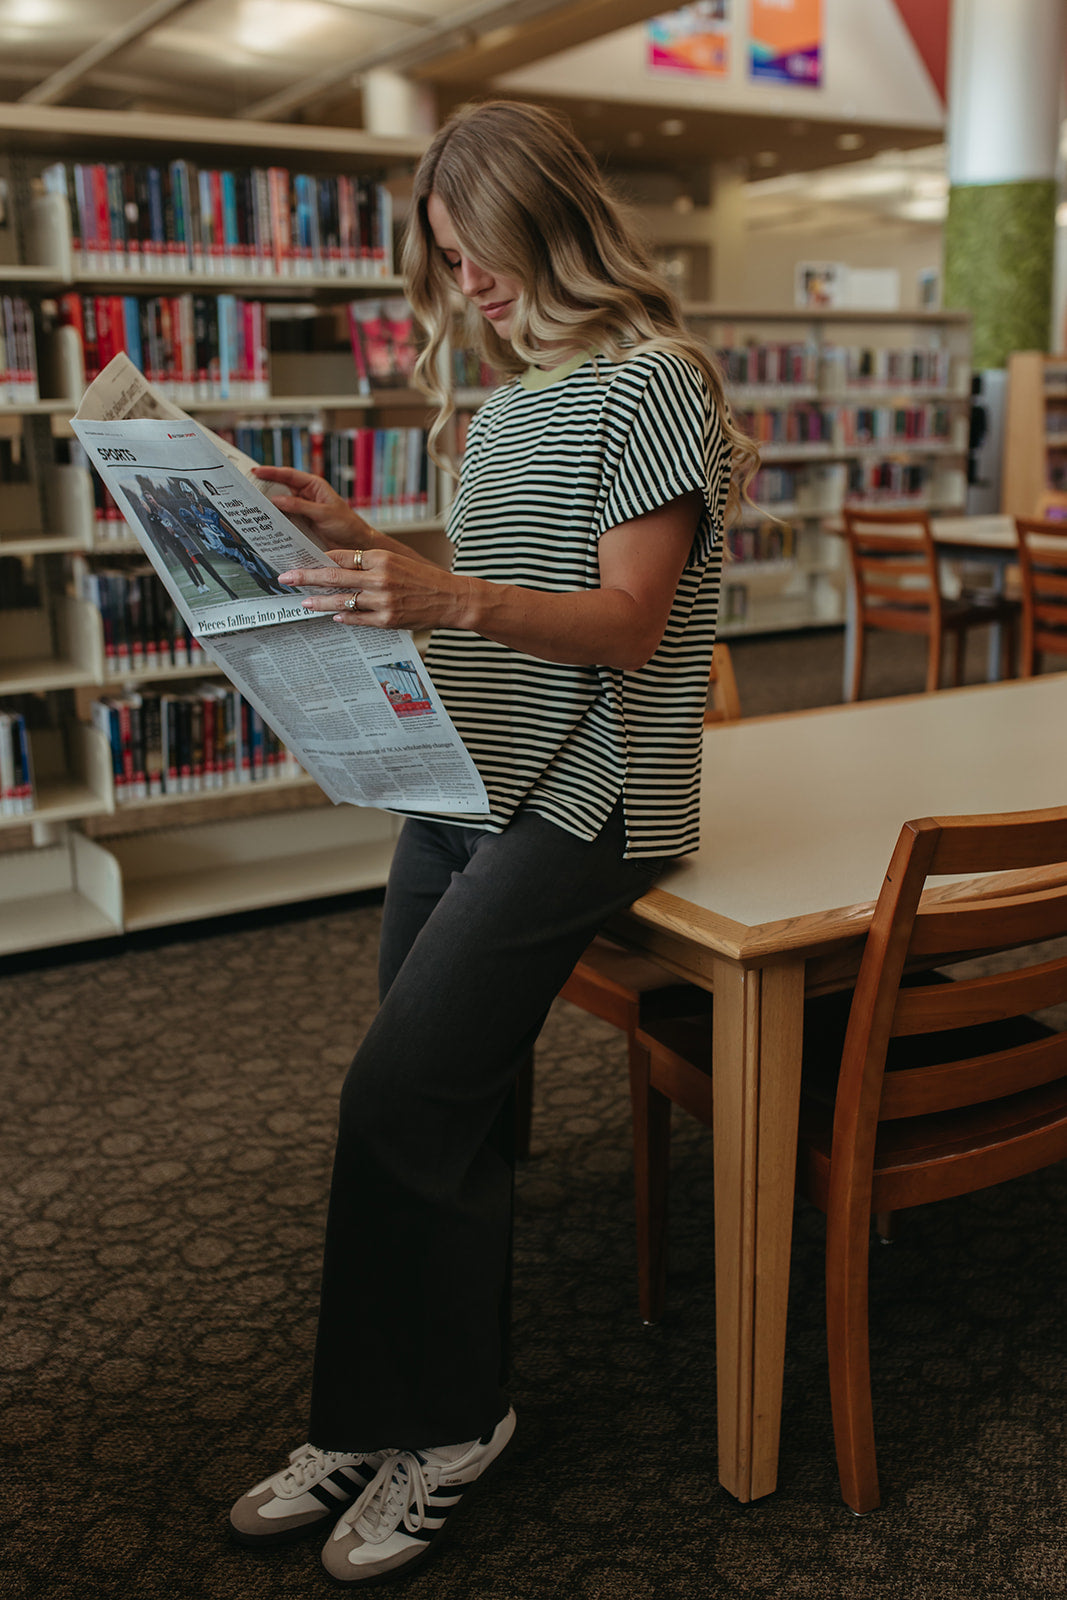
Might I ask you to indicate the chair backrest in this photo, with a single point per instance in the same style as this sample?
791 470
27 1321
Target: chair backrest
894 567
724 704
1026 905
1043 575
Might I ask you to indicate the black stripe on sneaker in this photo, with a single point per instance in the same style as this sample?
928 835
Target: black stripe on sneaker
331 1494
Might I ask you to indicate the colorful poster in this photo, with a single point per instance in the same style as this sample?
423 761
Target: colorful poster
692 40
786 41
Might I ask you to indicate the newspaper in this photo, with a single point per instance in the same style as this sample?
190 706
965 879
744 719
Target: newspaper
356 706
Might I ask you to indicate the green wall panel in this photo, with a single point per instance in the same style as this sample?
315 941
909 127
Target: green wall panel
999 241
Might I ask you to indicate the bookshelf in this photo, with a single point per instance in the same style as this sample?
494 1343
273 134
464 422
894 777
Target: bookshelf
81 865
849 407
1035 431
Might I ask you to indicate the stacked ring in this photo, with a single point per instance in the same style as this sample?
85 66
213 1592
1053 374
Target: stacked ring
357 561
350 603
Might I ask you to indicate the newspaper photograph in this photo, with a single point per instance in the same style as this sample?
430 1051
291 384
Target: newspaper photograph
356 707
216 542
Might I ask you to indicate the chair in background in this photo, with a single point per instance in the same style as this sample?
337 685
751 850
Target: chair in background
613 983
896 586
939 1088
1043 579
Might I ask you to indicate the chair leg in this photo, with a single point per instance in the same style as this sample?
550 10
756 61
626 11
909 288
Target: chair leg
885 1226
856 684
959 641
847 1248
524 1082
651 1113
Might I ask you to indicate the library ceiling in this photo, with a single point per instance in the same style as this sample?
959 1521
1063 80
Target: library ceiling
303 60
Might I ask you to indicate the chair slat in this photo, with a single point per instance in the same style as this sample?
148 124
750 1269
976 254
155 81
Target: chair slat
919 1091
997 926
933 1008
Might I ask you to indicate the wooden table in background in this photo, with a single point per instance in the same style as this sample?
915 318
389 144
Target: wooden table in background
800 815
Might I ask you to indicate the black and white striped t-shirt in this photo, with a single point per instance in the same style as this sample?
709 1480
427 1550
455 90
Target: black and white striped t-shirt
552 461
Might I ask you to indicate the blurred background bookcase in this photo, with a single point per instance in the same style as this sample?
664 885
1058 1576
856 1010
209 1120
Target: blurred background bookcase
1035 431
848 407
78 865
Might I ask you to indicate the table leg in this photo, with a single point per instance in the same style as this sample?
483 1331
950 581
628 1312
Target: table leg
758 1026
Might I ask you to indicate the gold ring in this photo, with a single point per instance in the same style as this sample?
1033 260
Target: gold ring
357 561
350 603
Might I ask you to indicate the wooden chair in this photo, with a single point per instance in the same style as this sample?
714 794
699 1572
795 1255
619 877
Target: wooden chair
938 1088
613 983
897 587
1043 577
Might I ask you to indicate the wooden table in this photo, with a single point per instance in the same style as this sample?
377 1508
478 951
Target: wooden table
800 815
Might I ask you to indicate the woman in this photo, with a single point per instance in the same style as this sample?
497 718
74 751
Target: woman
572 643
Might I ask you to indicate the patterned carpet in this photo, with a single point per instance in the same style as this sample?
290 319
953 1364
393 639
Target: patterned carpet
165 1147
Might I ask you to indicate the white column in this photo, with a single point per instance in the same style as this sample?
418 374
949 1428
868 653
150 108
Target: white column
1005 78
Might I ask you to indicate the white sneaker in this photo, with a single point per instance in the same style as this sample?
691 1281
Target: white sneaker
312 1490
399 1515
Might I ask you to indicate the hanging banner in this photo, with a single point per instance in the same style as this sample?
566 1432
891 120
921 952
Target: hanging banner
694 39
786 41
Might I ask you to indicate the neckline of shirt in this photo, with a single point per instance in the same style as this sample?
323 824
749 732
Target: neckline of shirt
542 377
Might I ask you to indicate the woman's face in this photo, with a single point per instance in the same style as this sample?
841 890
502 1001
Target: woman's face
492 293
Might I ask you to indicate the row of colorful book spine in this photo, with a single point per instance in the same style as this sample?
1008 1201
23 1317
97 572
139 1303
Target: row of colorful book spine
178 217
193 347
831 367
143 629
18 352
17 794
845 425
195 742
773 362
770 541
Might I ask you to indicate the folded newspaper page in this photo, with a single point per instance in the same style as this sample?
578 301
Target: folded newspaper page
355 706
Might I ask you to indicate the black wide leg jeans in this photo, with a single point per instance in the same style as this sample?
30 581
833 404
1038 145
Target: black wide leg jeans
480 933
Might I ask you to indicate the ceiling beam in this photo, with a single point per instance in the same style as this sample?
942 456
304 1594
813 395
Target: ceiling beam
517 45
415 46
59 84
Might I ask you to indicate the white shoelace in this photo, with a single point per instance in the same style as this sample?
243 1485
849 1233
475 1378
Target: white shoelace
306 1465
397 1494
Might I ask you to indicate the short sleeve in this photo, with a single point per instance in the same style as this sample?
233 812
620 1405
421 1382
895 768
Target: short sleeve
664 439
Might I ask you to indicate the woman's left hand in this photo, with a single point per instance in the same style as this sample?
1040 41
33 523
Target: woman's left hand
377 589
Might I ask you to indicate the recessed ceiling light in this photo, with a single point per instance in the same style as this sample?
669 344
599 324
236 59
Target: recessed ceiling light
849 141
635 138
767 158
683 204
671 127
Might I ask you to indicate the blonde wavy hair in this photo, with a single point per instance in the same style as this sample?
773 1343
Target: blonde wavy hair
527 200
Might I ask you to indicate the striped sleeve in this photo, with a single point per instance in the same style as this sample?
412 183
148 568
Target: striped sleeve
664 441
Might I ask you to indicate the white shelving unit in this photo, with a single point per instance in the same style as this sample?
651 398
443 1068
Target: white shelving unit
79 866
834 374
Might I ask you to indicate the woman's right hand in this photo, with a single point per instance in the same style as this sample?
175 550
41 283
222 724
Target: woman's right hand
337 525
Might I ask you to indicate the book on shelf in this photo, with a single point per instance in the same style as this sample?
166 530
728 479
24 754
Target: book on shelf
790 363
804 423
767 542
193 347
900 367
384 347
179 217
384 473
17 797
18 352
195 741
143 629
